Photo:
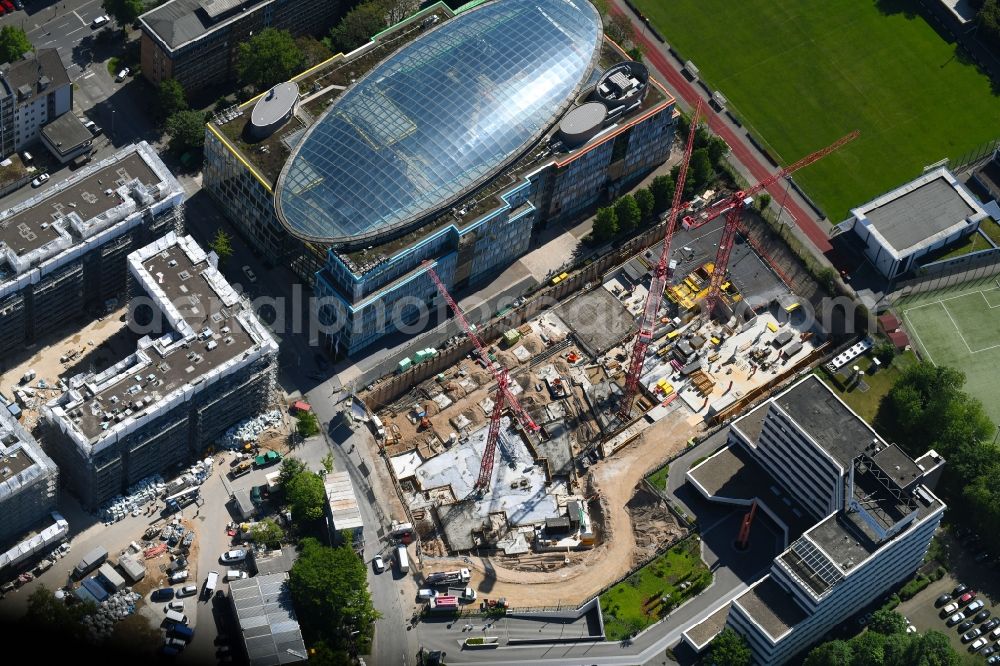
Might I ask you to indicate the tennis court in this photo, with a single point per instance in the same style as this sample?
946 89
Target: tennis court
960 327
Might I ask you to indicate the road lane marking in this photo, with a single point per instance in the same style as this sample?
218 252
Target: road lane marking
72 31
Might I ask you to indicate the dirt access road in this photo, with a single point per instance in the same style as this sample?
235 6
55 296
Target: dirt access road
614 481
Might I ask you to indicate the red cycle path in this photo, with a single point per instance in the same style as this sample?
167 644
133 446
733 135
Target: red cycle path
676 81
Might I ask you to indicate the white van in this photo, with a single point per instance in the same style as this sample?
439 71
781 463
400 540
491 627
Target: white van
175 616
27 157
210 583
235 574
402 559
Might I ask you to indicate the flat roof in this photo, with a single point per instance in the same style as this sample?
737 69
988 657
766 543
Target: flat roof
831 423
87 195
897 465
267 621
66 133
771 606
22 460
700 634
920 212
206 328
342 501
178 22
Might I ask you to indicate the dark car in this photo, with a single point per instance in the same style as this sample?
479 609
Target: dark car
162 594
991 625
971 634
983 615
965 626
987 651
961 589
942 600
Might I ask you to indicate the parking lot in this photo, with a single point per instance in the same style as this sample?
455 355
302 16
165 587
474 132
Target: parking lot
982 578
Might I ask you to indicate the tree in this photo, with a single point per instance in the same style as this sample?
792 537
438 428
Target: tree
268 58
328 462
832 653
605 225
44 610
932 648
717 148
170 98
662 188
763 201
267 532
222 245
186 130
700 171
887 622
290 468
728 649
620 30
329 588
647 202
125 12
14 43
884 351
358 26
306 424
627 213
868 649
306 495
636 53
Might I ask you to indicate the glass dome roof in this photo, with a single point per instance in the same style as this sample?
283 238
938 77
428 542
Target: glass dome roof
437 118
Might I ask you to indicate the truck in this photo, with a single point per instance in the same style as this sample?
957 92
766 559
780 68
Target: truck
210 583
464 594
177 501
448 577
244 467
266 459
402 559
443 603
91 561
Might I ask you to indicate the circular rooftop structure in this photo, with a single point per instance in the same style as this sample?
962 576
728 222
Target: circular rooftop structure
582 123
622 85
436 119
273 109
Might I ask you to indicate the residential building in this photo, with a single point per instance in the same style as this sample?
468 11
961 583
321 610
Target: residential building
196 42
33 91
29 480
63 251
871 507
914 221
266 620
433 143
204 362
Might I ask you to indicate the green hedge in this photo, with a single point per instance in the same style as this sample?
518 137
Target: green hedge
912 588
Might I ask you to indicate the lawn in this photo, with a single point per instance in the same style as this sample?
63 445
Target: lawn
971 243
866 403
802 74
659 478
651 592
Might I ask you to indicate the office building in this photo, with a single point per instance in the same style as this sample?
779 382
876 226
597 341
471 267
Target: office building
914 221
203 362
33 91
63 251
29 480
450 138
196 42
871 509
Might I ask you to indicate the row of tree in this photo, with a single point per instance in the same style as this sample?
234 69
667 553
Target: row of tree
927 409
886 643
988 22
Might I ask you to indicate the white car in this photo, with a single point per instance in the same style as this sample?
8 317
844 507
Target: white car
379 564
236 555
250 274
235 574
40 180
949 609
187 591
174 606
122 74
978 644
179 576
426 594
100 21
974 607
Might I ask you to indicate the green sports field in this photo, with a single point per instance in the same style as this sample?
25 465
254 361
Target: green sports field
802 73
960 327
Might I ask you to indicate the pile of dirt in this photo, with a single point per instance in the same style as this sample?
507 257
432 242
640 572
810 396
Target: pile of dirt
652 523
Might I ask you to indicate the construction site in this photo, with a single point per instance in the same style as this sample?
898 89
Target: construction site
529 452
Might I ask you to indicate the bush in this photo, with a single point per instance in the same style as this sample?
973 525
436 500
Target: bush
912 588
892 603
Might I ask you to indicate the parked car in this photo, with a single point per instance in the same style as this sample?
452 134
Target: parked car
163 594
983 615
179 576
960 590
378 564
187 591
987 651
18 4
949 609
971 634
991 625
123 74
177 565
250 274
965 626
977 645
40 180
966 598
955 619
995 659
235 555
174 606
235 574
100 21
974 607
942 600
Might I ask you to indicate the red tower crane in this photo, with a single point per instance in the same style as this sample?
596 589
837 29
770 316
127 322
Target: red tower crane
659 282
503 397
733 207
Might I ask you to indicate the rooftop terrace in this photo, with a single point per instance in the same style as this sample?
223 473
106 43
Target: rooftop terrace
203 331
